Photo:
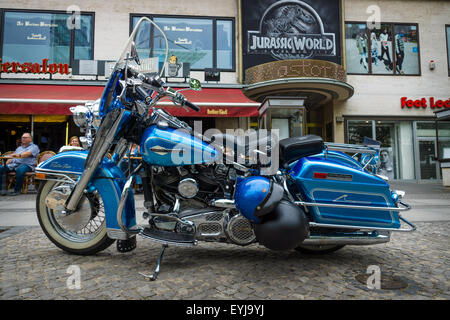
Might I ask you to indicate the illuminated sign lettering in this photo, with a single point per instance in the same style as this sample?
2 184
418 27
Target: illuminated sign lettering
424 103
34 67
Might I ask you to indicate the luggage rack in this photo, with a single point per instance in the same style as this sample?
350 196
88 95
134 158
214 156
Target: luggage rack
351 148
356 149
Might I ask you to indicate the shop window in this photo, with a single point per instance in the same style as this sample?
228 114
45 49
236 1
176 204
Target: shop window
397 145
201 42
391 49
83 38
224 35
357 49
31 36
357 130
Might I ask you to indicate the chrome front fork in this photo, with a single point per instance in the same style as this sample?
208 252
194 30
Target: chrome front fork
93 160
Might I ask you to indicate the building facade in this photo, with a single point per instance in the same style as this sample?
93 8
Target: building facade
341 69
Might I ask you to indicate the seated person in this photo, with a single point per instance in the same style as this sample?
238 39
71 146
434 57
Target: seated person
74 144
24 160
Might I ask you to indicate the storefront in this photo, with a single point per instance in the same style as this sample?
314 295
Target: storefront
348 68
399 68
44 111
408 146
50 62
384 84
292 54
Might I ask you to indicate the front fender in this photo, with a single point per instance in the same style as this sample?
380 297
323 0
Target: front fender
108 180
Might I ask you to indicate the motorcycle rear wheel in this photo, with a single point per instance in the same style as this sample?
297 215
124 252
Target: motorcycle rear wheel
318 249
87 241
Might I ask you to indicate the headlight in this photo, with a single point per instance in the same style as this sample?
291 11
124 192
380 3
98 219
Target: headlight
79 115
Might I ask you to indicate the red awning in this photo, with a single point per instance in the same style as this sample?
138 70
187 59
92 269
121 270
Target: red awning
57 99
44 99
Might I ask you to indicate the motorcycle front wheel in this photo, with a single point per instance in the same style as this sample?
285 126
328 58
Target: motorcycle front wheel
84 232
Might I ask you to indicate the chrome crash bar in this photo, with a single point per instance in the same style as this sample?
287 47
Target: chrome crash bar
349 206
226 203
345 226
345 206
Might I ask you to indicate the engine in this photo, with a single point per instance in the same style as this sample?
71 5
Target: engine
193 185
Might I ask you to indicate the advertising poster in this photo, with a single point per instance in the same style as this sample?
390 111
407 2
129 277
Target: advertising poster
283 30
392 49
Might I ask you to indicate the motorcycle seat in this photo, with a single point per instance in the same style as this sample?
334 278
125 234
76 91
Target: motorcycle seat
292 149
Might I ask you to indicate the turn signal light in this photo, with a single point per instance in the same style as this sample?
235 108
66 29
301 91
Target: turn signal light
40 176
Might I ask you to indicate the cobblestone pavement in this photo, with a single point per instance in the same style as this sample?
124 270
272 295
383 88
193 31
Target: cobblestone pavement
31 267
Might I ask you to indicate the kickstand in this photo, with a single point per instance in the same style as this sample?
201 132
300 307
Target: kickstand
152 277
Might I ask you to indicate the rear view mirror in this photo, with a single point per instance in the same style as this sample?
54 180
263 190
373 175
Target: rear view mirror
194 84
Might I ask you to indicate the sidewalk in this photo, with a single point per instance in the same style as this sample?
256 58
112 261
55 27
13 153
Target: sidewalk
430 202
20 210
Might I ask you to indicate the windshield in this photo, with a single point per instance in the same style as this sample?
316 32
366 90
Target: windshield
146 50
148 44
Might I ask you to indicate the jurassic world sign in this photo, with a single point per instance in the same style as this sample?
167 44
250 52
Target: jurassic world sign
289 29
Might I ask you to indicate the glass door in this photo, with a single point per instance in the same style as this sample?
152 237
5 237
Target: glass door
428 167
427 159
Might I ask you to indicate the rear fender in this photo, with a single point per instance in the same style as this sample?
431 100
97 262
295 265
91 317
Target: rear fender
108 180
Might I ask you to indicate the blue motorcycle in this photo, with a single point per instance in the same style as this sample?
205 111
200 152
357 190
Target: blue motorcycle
297 193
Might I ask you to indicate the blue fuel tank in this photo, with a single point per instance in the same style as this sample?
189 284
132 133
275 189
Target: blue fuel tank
175 147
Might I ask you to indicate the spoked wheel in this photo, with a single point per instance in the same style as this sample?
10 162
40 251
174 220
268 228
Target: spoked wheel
84 231
318 249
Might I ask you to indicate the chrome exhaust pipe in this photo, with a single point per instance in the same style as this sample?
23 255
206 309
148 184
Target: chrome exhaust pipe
347 239
223 203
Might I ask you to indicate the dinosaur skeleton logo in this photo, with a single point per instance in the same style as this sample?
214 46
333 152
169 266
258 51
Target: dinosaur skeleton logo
291 30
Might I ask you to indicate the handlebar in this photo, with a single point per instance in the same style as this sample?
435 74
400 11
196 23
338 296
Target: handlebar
176 97
157 83
191 105
153 81
147 99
